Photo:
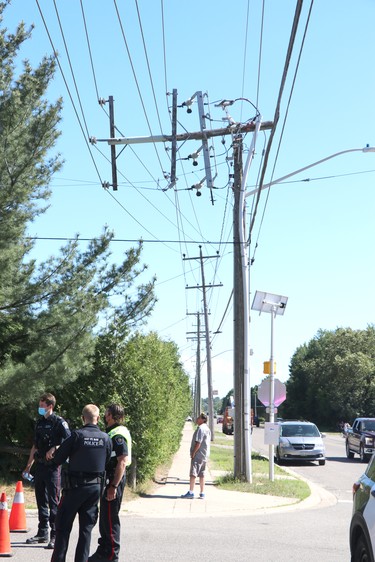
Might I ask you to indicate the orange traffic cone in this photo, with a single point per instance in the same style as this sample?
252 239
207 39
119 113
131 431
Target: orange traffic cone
4 527
17 519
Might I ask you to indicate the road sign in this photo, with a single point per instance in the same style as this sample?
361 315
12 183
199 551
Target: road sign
264 392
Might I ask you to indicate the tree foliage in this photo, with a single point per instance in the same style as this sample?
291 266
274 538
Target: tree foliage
332 377
145 375
50 312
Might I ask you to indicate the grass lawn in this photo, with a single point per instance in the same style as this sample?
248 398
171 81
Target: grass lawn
284 483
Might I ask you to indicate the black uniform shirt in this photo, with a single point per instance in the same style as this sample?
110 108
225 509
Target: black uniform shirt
89 450
50 432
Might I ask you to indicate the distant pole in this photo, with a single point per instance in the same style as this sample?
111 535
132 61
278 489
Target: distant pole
198 401
208 351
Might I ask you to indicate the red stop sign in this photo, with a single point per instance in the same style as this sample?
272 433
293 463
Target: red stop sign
279 392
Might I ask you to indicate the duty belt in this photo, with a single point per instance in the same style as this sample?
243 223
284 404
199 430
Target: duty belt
78 480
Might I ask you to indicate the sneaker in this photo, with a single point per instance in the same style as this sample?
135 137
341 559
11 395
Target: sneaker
188 496
202 496
37 539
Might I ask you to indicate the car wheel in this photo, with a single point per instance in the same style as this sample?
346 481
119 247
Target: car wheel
361 551
278 458
322 462
363 457
349 454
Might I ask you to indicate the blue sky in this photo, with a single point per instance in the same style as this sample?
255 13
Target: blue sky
312 241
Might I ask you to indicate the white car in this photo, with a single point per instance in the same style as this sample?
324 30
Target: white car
300 441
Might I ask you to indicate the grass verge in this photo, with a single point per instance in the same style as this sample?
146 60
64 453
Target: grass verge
284 484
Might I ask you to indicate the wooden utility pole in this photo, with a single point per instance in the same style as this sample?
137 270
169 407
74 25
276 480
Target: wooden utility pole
238 310
207 334
113 147
198 396
208 352
197 384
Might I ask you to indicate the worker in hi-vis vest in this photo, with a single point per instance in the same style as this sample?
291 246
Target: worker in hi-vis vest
110 504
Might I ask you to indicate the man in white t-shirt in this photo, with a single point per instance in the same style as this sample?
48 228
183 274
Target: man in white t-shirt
199 454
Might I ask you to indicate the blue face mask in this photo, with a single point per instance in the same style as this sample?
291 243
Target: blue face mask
41 411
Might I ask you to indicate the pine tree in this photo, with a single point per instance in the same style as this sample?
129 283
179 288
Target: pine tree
49 312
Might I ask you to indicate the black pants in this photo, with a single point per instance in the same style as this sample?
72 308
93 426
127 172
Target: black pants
84 501
109 525
47 494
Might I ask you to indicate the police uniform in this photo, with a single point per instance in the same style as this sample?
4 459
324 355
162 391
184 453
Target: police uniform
89 450
109 521
49 432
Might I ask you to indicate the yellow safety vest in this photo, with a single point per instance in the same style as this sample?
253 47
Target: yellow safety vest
122 430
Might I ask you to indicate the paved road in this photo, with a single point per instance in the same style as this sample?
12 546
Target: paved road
267 535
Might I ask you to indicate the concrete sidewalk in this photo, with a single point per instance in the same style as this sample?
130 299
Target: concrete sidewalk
166 501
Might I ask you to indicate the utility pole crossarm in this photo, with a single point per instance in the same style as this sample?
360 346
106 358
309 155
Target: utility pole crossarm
237 128
209 286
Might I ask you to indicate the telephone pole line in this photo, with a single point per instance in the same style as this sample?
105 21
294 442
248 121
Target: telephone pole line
207 334
241 377
197 382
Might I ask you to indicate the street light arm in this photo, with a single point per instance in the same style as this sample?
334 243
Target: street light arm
265 186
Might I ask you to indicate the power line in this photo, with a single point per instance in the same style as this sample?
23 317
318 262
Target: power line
278 105
284 123
136 79
67 88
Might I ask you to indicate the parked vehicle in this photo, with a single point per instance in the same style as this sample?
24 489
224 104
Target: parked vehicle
362 525
228 421
300 440
360 439
219 419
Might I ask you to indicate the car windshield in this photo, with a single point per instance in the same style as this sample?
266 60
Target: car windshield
299 430
368 425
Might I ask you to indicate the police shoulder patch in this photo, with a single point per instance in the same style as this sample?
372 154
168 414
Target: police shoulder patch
119 439
64 424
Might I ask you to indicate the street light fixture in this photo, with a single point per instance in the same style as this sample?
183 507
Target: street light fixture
275 305
367 148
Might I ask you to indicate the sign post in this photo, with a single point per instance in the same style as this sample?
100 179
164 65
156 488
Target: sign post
274 304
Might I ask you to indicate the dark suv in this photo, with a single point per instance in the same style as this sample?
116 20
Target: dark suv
362 526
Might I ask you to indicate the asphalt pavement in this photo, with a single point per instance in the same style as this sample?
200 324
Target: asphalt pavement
165 502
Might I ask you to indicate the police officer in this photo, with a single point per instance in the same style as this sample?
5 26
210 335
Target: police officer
50 432
88 450
110 503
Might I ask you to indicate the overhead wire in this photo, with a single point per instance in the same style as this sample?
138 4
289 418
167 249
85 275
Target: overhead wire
87 132
136 81
164 57
292 39
284 121
67 88
260 53
71 67
89 49
148 65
